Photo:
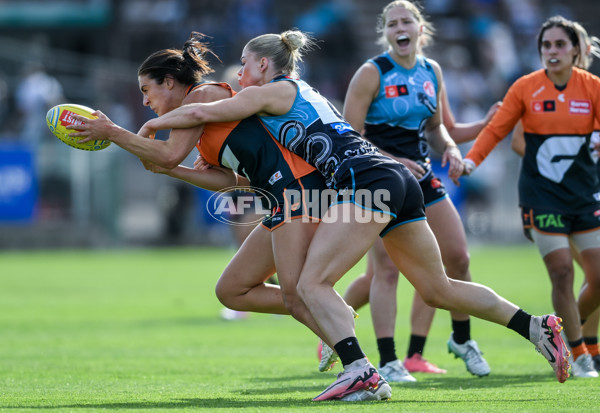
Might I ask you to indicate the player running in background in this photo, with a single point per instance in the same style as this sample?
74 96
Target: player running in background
590 46
559 189
391 99
309 125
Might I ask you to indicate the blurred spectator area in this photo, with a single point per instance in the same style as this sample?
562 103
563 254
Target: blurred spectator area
88 51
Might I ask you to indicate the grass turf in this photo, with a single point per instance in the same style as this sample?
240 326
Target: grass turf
139 330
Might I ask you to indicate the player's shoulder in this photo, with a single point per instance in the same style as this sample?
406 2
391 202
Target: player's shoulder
209 92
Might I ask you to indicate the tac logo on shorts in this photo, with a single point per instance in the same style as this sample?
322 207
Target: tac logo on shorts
597 213
436 183
394 91
538 106
580 107
341 127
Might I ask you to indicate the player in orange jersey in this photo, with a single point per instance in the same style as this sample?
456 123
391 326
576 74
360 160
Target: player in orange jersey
559 189
590 46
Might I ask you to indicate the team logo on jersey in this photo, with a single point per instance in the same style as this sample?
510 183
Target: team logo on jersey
538 106
436 183
394 91
341 127
429 88
275 177
580 107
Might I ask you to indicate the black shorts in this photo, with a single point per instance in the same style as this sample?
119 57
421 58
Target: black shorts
379 183
433 189
305 198
555 223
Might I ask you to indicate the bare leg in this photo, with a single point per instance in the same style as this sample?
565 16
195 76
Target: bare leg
589 297
414 250
559 264
242 285
357 293
290 243
383 291
329 257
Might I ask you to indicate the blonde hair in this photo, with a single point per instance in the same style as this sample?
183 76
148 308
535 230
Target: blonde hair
284 50
415 8
589 46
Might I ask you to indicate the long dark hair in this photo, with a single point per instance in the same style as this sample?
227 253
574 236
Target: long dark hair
567 25
187 65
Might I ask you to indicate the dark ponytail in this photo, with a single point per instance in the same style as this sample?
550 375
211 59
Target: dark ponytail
188 65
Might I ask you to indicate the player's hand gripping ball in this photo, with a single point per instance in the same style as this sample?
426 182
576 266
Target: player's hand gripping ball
61 116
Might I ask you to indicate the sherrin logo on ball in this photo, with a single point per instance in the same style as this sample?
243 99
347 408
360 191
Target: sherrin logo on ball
61 116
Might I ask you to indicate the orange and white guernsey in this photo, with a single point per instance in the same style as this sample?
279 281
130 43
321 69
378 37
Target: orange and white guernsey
558 171
248 148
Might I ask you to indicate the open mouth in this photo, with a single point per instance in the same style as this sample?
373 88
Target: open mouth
402 40
553 60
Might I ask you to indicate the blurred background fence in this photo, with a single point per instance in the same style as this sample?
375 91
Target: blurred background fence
88 51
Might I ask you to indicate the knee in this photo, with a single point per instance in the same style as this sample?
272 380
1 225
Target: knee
303 288
387 274
226 293
561 276
432 297
293 303
457 265
222 293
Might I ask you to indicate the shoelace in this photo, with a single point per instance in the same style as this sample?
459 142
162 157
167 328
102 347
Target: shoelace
473 353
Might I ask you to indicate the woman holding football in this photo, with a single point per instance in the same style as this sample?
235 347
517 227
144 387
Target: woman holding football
377 196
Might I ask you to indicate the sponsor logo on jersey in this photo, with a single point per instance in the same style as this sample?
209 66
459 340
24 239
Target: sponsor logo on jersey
275 177
394 91
341 127
538 106
537 92
580 107
597 213
429 88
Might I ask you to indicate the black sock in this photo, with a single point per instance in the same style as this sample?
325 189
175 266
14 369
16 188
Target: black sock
520 323
349 350
387 350
416 345
462 331
575 343
590 340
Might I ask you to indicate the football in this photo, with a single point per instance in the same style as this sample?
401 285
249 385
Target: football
61 116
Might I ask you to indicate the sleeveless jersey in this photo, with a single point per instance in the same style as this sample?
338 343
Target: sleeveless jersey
407 98
248 148
558 171
316 131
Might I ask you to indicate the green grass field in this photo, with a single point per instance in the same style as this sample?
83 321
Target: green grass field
139 330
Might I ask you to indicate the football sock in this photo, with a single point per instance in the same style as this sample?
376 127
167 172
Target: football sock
592 345
387 350
462 331
416 344
520 323
578 347
349 350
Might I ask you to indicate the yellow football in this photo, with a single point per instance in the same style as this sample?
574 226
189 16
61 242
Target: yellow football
61 116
